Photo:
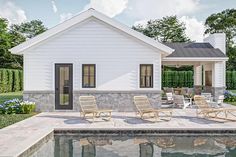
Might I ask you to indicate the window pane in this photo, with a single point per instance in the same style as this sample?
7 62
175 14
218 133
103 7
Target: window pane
142 82
148 81
86 69
146 76
88 76
149 70
92 81
86 81
92 67
143 70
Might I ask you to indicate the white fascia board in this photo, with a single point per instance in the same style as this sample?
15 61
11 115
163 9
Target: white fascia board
216 59
83 16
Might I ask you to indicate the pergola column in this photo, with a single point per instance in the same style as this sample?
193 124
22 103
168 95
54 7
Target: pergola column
218 78
197 79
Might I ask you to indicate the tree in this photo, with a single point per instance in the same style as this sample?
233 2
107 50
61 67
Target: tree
5 43
167 29
29 29
225 22
13 36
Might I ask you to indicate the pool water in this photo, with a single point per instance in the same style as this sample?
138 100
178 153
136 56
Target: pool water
138 146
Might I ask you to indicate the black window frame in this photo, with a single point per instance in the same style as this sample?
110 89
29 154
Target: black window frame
140 76
83 86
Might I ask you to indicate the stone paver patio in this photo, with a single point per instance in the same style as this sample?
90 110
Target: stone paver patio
17 138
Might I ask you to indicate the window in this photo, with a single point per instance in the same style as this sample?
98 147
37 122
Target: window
88 76
146 76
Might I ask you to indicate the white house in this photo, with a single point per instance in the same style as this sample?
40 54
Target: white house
93 54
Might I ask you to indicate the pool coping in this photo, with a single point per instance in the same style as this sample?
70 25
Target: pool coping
43 128
124 131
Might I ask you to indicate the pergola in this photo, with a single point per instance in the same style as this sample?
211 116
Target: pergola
208 59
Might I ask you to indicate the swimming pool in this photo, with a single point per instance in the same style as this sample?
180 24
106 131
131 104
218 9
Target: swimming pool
116 144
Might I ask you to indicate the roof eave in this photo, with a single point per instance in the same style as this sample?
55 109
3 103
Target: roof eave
216 59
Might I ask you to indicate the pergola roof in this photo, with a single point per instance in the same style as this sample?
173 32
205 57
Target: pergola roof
194 50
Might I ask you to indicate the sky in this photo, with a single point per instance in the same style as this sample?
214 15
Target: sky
129 12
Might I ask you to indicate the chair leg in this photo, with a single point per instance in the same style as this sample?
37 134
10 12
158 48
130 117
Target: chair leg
109 116
94 114
171 115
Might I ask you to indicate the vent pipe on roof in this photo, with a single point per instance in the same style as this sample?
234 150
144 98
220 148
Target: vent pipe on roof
217 40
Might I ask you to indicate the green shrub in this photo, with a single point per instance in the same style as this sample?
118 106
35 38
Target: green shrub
10 80
16 106
16 86
21 80
10 107
27 107
4 81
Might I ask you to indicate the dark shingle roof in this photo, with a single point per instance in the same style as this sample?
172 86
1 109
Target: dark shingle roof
194 50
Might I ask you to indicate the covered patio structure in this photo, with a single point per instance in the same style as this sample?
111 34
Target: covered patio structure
208 60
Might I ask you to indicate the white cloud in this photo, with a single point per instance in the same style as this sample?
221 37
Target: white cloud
54 7
141 22
13 13
110 8
194 28
65 16
154 9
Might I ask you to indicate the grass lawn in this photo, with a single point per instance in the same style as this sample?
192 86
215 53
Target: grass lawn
232 103
8 96
233 91
9 119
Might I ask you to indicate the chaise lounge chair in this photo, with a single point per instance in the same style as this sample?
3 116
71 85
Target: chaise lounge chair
88 106
207 111
144 108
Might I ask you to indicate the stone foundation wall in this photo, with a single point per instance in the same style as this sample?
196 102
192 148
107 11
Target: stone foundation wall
217 91
45 100
115 100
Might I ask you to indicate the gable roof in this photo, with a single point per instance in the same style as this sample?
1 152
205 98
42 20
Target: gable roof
195 50
81 17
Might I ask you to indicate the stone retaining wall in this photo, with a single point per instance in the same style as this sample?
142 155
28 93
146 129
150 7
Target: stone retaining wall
115 100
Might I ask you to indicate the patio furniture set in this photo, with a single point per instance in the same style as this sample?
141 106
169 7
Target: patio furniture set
183 97
145 110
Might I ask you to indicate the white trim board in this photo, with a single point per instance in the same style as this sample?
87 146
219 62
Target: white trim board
215 59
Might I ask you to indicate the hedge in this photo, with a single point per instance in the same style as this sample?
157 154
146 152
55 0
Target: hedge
231 80
185 79
177 79
11 80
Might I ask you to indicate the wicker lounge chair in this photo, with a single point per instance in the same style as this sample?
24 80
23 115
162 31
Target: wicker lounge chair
207 111
88 106
144 108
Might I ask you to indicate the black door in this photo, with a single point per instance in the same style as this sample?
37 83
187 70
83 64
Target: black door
64 86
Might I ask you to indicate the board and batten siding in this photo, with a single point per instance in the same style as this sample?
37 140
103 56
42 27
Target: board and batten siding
117 57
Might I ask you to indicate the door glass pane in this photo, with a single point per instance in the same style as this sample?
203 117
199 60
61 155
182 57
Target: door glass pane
64 85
